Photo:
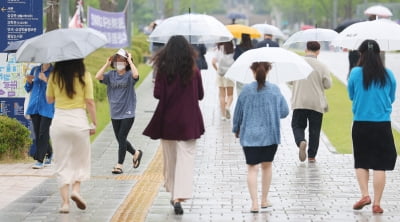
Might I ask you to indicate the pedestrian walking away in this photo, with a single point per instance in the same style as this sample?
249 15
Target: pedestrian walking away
372 89
256 121
221 63
121 94
70 88
309 104
40 112
244 45
177 120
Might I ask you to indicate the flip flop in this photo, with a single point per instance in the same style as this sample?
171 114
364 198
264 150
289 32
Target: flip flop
136 162
117 170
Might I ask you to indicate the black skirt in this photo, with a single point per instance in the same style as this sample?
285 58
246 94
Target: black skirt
373 145
259 154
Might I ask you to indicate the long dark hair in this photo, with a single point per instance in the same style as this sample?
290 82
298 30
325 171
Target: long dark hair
65 72
245 42
228 47
176 58
371 63
260 69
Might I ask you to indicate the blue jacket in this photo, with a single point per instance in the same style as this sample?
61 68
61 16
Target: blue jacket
257 115
374 104
37 102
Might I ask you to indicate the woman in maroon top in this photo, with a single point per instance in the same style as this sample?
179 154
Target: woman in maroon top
177 121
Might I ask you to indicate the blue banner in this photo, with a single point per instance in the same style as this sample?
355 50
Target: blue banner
20 20
111 24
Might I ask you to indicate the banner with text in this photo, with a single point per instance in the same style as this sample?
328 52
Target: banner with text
111 24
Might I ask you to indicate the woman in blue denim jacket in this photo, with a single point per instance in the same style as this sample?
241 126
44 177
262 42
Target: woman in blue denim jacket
41 112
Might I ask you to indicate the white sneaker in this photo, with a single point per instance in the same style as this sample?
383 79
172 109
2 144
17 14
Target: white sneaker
302 151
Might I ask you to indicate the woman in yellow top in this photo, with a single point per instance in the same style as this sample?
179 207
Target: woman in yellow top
71 89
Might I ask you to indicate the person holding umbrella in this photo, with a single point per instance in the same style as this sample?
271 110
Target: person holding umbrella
309 103
122 98
372 89
70 88
221 64
41 113
256 121
177 120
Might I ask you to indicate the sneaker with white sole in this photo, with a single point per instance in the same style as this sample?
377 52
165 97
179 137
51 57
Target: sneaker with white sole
38 165
302 151
47 161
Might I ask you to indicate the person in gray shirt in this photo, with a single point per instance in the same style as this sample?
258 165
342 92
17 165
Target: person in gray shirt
122 98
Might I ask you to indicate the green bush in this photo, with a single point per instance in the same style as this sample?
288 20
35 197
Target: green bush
15 138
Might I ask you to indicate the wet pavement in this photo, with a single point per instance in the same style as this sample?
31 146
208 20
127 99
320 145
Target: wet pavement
300 191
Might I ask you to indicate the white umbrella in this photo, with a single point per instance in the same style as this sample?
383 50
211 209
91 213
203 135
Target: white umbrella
378 10
316 34
286 65
384 31
61 44
197 28
269 29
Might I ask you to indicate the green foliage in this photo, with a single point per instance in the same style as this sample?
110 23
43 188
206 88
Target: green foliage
15 138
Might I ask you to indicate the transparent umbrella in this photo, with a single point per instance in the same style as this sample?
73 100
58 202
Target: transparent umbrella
384 31
379 10
316 34
61 44
269 29
286 65
197 28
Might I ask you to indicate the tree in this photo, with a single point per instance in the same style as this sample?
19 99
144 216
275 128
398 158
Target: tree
52 15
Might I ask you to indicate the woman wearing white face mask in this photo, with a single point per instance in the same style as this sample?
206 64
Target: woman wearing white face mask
122 98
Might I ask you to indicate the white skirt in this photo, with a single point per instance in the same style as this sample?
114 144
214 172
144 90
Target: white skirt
69 133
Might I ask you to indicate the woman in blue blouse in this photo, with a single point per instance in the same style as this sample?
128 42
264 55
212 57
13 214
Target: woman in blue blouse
372 90
41 112
256 122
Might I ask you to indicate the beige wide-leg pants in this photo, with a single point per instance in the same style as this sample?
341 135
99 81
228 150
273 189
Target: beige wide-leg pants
179 167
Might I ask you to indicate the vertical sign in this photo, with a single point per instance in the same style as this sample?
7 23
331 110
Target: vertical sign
111 24
20 20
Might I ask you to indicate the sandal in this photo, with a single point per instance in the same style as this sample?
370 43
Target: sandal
136 162
117 170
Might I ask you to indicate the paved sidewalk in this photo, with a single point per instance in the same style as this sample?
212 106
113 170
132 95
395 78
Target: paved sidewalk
324 191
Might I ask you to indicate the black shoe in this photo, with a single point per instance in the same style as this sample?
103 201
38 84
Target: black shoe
178 208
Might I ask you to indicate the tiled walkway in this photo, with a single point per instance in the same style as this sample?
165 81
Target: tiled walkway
324 191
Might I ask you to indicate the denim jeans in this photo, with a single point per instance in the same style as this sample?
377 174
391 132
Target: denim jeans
300 119
121 130
41 127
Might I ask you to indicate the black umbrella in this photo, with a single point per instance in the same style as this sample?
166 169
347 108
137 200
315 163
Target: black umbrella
235 15
13 46
346 23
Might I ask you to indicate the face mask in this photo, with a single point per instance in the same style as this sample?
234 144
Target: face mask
119 65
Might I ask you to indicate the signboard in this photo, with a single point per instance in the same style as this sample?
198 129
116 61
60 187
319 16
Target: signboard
20 20
111 24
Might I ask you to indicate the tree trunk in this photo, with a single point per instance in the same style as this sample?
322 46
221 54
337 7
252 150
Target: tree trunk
108 5
52 15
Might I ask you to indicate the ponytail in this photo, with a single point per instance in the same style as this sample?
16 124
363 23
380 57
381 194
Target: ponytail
260 70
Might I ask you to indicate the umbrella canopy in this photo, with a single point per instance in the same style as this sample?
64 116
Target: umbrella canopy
237 30
318 34
13 46
197 28
61 44
378 10
346 23
385 32
286 65
236 15
269 29
305 27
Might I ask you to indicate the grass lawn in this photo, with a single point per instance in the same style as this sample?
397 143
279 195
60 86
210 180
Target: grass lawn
338 121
